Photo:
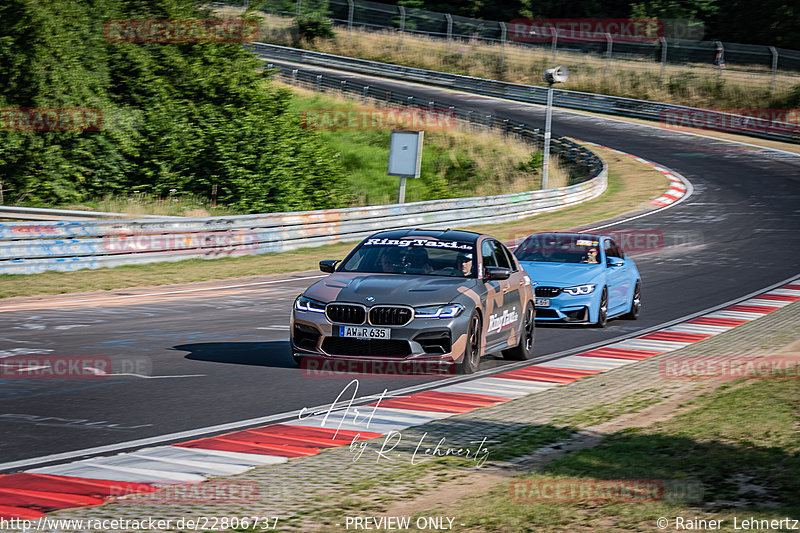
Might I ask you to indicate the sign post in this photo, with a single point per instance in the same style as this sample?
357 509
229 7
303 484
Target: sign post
405 157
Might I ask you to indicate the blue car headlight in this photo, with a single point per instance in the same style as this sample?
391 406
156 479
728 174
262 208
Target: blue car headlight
438 311
579 289
307 304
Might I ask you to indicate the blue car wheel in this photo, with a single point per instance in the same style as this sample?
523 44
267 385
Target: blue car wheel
602 310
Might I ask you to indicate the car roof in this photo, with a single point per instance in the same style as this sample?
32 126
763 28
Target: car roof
447 234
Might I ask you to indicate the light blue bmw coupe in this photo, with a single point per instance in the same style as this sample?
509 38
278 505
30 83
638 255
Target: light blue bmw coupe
580 278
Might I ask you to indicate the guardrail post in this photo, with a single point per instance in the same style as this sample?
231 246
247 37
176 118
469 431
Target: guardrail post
294 76
774 68
388 96
364 94
554 45
410 101
319 82
720 60
503 36
449 30
343 87
402 27
663 58
609 46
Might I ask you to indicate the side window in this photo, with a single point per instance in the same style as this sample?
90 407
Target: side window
487 251
502 256
612 250
510 257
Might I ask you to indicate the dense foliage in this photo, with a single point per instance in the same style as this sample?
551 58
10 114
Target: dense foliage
175 116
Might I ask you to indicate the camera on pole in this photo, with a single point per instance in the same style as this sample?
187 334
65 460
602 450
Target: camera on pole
556 75
553 75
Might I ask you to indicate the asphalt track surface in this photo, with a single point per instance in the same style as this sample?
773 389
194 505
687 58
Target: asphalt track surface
220 356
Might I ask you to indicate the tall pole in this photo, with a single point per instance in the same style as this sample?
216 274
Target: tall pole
774 68
548 120
401 196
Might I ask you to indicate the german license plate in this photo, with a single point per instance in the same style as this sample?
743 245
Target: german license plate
542 302
364 332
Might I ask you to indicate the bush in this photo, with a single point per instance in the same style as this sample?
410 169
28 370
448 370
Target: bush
313 25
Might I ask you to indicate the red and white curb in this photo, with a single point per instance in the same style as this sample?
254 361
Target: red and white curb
95 481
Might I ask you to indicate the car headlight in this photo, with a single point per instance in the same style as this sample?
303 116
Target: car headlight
579 289
438 311
307 304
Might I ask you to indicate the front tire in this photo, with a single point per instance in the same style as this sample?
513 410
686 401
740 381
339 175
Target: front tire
524 350
472 352
636 303
602 312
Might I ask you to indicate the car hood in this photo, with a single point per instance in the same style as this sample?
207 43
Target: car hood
388 288
561 274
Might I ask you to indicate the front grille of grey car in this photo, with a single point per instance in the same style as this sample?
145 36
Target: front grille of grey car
547 292
366 347
385 315
346 313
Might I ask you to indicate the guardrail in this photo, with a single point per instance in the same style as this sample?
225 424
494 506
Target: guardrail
671 115
31 248
37 213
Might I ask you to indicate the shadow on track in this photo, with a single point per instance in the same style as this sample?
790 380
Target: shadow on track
269 353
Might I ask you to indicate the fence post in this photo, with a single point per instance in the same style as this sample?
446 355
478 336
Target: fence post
720 60
449 30
609 50
298 8
555 43
350 6
774 68
663 58
503 36
402 27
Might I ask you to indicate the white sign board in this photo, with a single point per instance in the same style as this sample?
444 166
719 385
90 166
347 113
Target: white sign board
405 153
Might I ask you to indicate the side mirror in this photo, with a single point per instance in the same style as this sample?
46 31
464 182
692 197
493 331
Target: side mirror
497 273
614 262
328 265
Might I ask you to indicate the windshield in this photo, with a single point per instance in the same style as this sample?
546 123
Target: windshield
560 249
414 255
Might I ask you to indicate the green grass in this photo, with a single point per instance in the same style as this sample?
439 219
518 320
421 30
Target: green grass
606 412
455 163
740 445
